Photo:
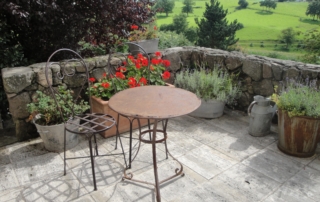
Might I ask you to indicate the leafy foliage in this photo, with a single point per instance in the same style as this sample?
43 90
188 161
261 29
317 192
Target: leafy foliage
172 39
288 36
312 46
46 107
268 4
299 98
243 4
41 27
314 9
214 30
164 6
214 84
187 8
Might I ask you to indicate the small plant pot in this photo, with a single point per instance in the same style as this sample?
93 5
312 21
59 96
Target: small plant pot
150 46
209 109
53 137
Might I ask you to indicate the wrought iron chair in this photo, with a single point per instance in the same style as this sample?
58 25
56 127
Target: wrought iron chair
90 123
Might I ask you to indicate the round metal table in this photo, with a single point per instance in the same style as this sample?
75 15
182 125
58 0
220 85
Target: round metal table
155 103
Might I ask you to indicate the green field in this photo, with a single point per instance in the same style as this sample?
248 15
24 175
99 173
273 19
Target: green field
259 25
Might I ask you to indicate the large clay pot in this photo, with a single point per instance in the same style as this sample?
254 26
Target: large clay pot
101 106
298 135
209 109
149 46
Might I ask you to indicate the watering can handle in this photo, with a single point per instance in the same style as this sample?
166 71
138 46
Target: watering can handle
250 107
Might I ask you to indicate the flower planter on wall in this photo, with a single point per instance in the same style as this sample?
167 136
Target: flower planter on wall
299 135
101 106
150 45
209 109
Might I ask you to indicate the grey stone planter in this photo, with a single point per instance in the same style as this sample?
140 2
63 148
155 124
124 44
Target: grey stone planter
150 45
53 137
209 109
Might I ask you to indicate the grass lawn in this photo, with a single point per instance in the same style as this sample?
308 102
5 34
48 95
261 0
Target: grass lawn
259 25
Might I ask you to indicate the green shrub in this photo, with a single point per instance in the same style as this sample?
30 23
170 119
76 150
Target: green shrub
172 39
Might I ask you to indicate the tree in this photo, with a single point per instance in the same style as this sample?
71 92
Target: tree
268 4
288 36
213 30
180 23
165 6
312 46
42 26
187 8
314 9
243 4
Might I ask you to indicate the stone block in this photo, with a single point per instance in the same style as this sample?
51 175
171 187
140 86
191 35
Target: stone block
266 71
175 61
75 81
277 71
291 73
39 70
252 69
90 62
233 62
18 105
264 88
214 60
101 61
16 79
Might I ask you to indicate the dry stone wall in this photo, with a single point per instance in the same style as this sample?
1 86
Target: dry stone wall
258 76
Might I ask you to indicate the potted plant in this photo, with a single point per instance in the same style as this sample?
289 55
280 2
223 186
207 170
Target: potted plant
144 36
214 87
132 72
298 118
48 120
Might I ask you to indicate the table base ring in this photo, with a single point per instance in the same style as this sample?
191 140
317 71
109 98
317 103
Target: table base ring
178 171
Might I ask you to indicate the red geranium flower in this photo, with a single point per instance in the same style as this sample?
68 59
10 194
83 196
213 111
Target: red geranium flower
155 61
138 66
104 75
166 75
121 69
143 81
144 63
134 27
132 82
166 63
155 28
158 54
92 79
105 85
120 75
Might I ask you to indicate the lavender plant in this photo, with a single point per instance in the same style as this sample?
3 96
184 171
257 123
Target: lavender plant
299 98
212 84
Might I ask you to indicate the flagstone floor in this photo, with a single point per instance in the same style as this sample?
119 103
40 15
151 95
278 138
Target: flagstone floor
222 162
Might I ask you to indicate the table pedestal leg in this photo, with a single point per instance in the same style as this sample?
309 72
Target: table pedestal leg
155 166
153 142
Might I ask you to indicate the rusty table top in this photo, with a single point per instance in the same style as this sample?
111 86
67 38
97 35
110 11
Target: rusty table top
154 102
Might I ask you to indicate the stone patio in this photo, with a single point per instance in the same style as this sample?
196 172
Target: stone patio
222 162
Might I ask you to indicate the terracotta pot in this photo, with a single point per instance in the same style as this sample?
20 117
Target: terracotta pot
298 135
101 106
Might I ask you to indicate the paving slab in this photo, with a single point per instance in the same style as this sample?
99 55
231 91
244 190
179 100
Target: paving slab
274 165
207 161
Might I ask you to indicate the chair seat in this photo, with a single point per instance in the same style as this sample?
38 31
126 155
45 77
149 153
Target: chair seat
90 123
